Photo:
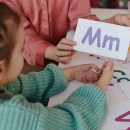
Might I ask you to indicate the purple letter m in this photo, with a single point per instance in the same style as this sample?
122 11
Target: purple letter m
92 39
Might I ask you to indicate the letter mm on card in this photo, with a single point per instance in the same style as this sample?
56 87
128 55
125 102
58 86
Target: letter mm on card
102 39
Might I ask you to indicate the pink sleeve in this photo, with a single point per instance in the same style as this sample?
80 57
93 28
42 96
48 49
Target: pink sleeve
79 9
35 46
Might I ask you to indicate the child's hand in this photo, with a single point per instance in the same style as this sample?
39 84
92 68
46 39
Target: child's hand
122 19
88 73
106 76
65 50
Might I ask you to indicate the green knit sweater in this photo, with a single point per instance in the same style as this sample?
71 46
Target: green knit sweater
23 105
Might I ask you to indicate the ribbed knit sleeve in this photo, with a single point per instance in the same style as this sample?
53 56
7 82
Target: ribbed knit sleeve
40 86
88 107
85 109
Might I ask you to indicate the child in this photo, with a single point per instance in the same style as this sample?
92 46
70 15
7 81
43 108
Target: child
46 22
22 102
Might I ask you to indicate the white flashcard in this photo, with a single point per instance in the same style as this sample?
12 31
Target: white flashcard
103 39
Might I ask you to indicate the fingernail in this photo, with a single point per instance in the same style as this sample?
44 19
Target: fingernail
94 70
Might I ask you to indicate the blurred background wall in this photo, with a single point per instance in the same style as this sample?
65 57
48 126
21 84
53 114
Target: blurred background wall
109 3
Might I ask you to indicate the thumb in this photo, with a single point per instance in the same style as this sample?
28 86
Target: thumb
109 66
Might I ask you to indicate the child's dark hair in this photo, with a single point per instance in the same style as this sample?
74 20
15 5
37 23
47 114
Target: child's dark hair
9 22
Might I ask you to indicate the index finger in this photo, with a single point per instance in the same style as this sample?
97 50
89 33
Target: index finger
68 42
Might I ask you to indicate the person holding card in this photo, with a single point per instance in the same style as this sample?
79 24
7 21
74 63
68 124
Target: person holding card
46 23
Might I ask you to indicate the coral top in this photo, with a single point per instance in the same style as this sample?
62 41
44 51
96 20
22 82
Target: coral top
46 22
